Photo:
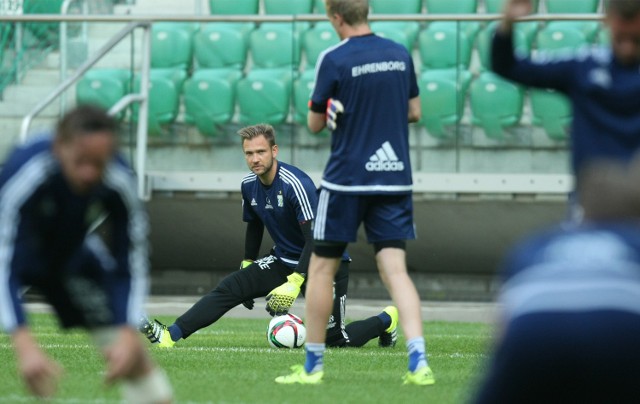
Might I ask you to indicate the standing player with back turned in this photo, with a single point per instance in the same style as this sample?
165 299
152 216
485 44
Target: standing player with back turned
602 83
281 198
51 191
367 179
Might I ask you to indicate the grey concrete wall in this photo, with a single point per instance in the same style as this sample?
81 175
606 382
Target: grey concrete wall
460 245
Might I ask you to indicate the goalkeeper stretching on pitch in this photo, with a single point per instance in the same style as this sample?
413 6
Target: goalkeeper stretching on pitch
283 199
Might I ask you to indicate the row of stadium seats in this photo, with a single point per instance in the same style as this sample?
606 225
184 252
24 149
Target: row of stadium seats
395 6
212 97
281 45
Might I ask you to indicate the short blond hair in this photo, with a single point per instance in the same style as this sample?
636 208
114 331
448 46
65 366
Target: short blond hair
353 12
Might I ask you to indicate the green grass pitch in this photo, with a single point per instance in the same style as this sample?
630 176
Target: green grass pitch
231 362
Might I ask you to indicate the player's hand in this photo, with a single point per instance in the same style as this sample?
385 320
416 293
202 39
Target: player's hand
334 110
280 299
125 356
514 9
39 372
247 303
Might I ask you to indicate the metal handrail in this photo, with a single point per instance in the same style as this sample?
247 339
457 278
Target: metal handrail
142 97
291 18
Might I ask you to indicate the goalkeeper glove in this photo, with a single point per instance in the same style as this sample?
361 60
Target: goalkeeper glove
280 299
334 110
247 303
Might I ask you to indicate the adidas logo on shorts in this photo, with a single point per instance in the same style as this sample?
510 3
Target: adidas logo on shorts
384 159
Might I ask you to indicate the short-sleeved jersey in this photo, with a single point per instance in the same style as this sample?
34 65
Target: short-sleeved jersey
43 225
289 201
605 96
374 78
584 269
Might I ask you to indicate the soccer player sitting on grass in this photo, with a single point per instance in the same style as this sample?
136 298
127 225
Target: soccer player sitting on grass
51 192
283 199
570 303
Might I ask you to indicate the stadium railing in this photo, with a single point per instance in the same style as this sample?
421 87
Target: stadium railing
172 179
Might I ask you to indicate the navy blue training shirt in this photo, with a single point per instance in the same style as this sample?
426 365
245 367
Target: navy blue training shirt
374 78
290 200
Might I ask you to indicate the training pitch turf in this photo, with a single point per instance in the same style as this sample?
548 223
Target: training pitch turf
232 363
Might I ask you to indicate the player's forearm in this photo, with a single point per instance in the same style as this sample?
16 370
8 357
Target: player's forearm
305 256
415 110
253 239
23 341
316 121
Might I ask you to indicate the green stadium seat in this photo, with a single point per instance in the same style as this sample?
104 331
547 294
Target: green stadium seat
552 111
209 99
217 46
274 47
262 97
483 43
177 76
316 40
470 28
572 6
302 88
442 98
234 6
495 6
396 6
43 31
443 46
558 38
190 27
451 7
386 28
288 6
589 28
163 103
318 7
495 104
403 32
104 88
171 47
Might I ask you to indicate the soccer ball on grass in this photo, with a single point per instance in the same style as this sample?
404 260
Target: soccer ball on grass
286 331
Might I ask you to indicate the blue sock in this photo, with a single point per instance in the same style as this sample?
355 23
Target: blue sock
175 332
386 319
417 353
314 358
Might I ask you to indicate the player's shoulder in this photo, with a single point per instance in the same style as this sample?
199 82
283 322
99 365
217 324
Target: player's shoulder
38 149
248 179
290 173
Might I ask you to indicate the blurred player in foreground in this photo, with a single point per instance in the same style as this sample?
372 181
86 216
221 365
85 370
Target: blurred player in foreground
571 303
51 192
283 199
601 82
366 92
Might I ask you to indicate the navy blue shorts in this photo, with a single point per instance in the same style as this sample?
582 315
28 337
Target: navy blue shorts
588 357
385 217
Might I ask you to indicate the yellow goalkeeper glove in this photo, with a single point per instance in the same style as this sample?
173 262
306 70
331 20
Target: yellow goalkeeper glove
280 299
247 303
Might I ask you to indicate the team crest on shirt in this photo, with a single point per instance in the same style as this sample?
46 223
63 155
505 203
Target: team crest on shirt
280 199
268 205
